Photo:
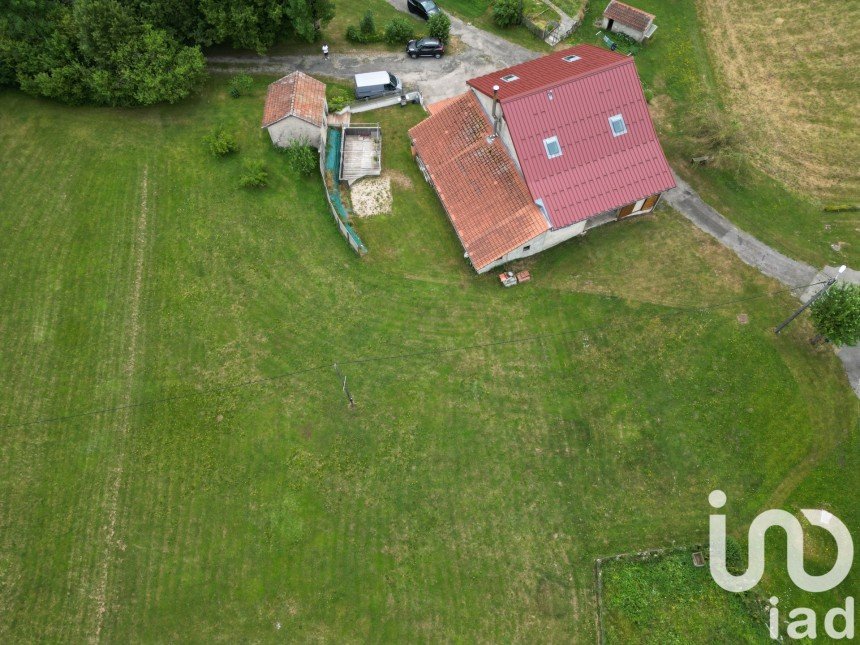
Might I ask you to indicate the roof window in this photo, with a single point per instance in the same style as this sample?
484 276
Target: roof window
571 59
618 126
510 77
553 148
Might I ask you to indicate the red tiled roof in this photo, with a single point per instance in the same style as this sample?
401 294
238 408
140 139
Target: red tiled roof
596 171
627 15
547 71
440 105
298 95
477 182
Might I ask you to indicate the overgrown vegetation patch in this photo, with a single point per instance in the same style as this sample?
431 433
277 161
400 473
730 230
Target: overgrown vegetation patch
664 599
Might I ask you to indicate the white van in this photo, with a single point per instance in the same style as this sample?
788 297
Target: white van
375 84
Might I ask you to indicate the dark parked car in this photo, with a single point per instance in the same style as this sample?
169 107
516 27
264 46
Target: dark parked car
422 8
425 47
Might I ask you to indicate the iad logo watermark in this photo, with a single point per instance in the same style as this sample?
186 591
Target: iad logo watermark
805 625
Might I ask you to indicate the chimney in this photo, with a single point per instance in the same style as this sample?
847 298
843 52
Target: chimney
496 118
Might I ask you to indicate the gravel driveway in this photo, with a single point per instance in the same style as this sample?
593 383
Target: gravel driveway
481 53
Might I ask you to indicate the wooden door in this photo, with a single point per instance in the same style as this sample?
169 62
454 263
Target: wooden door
650 203
624 212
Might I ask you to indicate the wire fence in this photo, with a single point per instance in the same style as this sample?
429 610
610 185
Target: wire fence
330 168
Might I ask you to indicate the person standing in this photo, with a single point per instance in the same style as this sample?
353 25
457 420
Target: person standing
325 50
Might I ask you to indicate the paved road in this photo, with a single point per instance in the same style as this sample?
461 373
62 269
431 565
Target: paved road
481 53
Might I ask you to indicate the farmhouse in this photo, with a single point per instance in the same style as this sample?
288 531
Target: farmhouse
627 20
535 154
296 110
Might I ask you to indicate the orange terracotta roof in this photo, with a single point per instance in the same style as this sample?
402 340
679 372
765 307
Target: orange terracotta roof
298 95
438 106
627 15
479 185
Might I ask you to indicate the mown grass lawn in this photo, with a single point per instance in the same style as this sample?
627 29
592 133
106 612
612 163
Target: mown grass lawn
502 439
678 67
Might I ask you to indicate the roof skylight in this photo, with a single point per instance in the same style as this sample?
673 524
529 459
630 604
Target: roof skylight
618 126
510 77
553 147
571 59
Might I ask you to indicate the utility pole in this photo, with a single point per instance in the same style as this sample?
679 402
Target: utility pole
345 388
827 285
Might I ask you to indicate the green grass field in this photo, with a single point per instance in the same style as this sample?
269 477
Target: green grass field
502 439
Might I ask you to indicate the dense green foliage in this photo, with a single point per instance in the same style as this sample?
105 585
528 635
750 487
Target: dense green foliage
220 143
399 31
507 13
667 600
836 314
439 26
140 52
338 100
367 26
240 85
302 158
365 32
254 174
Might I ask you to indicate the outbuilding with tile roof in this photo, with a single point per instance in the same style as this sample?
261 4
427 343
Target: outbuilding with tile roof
622 18
296 110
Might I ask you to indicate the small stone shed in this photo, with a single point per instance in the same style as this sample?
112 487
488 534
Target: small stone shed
623 19
296 110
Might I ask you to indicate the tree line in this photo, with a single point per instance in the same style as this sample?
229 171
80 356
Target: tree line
136 52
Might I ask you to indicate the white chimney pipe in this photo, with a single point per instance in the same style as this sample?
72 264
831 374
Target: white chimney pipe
495 118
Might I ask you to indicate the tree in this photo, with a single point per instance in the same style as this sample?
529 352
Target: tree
136 52
307 17
367 26
507 13
836 314
439 26
97 52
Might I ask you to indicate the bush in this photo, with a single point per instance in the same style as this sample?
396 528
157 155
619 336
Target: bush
338 101
220 143
254 174
240 85
398 31
506 13
367 26
301 157
353 35
439 26
365 32
712 129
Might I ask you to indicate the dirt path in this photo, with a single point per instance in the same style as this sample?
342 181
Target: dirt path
115 475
